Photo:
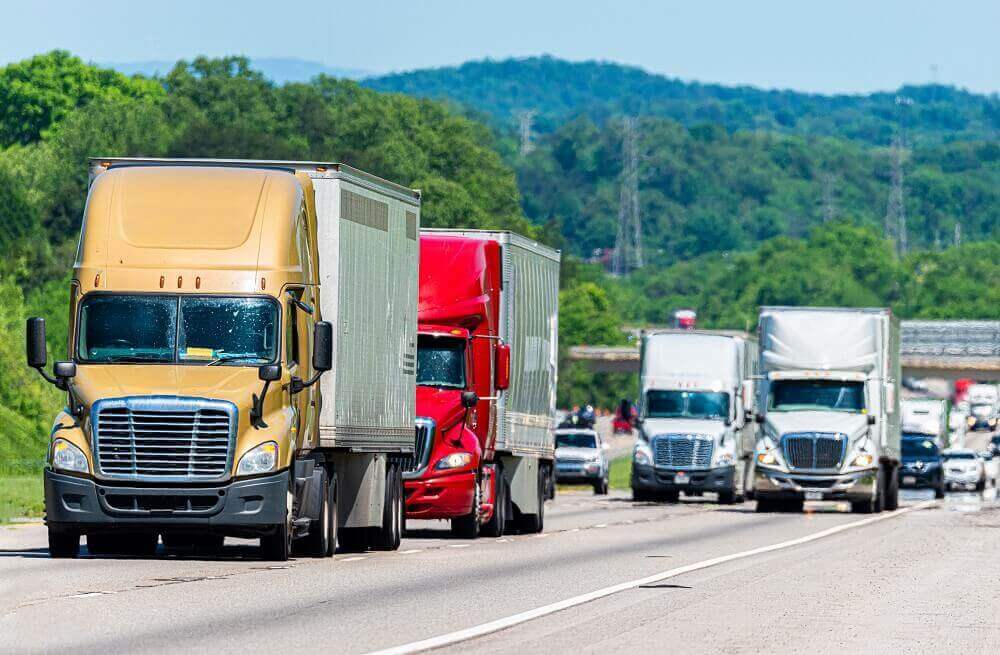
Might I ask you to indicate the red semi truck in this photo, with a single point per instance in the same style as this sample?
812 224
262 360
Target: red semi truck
486 382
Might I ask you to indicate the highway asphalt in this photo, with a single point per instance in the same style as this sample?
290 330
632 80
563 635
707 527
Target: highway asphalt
607 575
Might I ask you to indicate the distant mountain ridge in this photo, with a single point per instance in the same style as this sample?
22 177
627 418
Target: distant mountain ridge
558 90
278 69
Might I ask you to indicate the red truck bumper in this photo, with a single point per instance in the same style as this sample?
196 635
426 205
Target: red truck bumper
443 497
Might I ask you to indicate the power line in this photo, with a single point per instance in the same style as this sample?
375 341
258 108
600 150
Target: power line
628 242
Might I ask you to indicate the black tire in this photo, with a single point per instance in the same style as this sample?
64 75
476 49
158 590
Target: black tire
981 486
467 527
534 523
497 524
727 497
601 488
390 535
277 547
63 543
939 491
353 540
322 538
891 500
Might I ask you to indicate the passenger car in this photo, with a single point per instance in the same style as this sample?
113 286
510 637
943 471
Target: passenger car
963 468
581 458
922 464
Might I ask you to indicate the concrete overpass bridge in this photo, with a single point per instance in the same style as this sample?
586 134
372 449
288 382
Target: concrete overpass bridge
939 349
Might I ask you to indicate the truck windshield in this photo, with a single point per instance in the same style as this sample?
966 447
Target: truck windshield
686 404
918 446
186 329
441 362
576 440
840 396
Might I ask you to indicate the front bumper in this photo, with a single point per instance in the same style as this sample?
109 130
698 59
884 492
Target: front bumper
649 478
967 480
921 478
770 484
242 508
577 473
442 497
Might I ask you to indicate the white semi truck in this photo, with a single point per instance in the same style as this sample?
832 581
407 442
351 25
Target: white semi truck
828 408
695 399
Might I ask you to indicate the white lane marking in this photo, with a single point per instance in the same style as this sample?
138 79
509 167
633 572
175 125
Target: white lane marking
90 594
458 545
522 617
353 559
601 525
411 551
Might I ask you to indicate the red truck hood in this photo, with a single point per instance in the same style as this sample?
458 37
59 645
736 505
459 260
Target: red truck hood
442 405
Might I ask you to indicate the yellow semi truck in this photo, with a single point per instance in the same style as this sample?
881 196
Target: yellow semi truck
241 359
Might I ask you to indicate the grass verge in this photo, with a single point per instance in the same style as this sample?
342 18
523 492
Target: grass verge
20 495
620 475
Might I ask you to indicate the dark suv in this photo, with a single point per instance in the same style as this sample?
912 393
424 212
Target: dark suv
922 464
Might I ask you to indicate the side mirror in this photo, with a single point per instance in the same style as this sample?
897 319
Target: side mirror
728 421
871 419
502 380
269 372
758 419
35 338
64 370
469 399
323 346
747 395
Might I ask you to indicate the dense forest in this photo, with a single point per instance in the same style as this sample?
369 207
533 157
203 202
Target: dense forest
558 91
733 218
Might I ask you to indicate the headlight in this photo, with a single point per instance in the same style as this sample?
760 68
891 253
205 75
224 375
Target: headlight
641 456
67 457
767 459
454 461
863 460
262 459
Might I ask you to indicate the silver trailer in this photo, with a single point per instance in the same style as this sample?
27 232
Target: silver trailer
695 402
829 408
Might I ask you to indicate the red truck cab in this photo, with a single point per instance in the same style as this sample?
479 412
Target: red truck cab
462 367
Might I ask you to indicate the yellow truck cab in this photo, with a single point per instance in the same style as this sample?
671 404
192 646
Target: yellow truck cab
199 402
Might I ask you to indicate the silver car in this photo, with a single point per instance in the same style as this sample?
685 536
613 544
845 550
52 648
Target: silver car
963 469
581 458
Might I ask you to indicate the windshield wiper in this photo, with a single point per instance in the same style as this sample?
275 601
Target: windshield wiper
234 357
133 359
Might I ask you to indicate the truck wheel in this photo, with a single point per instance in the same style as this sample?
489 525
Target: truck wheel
467 527
63 543
641 496
534 523
891 501
322 538
389 536
497 524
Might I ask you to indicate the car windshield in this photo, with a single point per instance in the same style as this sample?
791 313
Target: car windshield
239 331
687 404
793 395
982 410
441 362
918 446
960 456
576 440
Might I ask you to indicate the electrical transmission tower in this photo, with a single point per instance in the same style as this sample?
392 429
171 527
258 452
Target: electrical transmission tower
895 213
525 120
628 242
829 197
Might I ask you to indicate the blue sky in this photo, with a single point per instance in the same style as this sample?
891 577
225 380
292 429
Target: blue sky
813 45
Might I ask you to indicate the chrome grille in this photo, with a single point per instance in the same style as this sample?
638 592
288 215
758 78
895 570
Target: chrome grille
417 462
683 451
164 438
814 450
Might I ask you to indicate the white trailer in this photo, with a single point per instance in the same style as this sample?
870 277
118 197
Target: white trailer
695 395
926 417
829 408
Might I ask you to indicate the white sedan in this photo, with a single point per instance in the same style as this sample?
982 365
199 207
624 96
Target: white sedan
963 469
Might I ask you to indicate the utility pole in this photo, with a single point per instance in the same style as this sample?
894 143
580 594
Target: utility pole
525 120
628 242
958 234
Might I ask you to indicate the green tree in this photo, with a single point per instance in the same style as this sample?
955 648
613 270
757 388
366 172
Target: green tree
37 93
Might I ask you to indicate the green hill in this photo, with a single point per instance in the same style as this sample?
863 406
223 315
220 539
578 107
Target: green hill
559 90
